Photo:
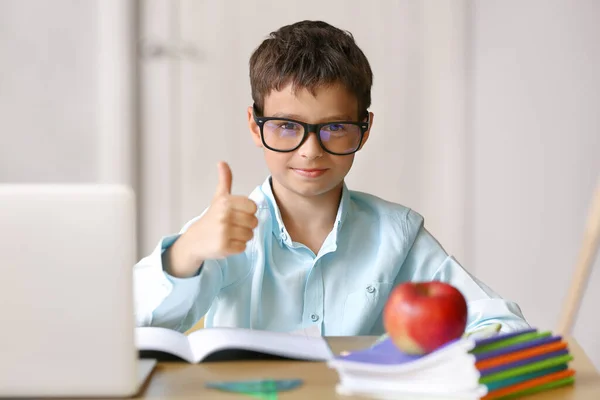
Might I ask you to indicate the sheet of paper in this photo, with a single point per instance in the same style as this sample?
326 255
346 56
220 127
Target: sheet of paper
312 330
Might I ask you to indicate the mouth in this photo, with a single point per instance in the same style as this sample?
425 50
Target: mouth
310 172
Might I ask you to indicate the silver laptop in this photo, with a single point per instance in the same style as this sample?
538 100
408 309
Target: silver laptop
66 301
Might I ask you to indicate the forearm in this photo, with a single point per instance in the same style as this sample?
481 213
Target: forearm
177 260
168 301
490 311
189 299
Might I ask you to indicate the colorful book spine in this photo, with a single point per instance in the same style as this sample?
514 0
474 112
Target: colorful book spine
522 363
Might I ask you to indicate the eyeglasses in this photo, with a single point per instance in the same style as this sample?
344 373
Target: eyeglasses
284 135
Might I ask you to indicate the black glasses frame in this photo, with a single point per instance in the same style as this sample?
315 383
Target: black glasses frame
308 128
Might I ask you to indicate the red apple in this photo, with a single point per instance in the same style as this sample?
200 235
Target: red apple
419 317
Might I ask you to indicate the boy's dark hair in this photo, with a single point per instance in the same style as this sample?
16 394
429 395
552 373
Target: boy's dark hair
310 54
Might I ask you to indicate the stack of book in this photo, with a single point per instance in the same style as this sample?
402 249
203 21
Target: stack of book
507 365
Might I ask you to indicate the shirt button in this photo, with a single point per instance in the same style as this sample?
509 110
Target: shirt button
284 236
314 317
370 289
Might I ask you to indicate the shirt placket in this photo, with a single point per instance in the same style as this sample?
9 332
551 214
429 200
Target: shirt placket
313 297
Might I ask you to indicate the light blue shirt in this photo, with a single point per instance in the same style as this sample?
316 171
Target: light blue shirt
280 285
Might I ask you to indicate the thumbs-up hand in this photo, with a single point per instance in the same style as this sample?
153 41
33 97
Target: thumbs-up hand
222 231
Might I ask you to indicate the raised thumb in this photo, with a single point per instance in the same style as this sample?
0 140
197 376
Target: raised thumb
225 178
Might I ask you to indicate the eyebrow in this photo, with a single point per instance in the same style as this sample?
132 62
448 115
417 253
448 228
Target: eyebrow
339 117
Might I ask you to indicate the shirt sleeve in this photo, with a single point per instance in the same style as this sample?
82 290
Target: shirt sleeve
427 261
161 299
170 302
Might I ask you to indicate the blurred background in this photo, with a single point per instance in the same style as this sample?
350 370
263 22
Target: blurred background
487 118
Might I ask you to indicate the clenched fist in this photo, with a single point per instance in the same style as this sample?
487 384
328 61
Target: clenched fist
222 231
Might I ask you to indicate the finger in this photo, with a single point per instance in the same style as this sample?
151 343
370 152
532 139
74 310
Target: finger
225 178
243 219
243 204
241 234
236 247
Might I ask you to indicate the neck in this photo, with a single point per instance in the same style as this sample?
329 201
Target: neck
316 213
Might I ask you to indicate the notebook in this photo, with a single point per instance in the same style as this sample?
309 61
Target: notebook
503 366
229 344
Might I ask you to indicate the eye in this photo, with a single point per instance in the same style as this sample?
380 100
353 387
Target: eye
337 130
288 126
335 127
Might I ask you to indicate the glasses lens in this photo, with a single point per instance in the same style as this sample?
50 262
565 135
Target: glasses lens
282 134
341 138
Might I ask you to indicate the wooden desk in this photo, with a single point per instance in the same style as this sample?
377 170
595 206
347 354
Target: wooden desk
183 381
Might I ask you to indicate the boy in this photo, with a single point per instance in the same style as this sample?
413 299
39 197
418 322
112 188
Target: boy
302 251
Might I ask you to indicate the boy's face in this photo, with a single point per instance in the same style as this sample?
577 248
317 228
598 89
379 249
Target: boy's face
309 170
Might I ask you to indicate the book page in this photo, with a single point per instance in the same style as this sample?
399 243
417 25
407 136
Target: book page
312 330
165 340
378 393
206 341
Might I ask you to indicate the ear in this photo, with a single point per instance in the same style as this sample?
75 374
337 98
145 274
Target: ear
366 135
254 129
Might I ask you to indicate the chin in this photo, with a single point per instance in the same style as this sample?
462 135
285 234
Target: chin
309 192
310 187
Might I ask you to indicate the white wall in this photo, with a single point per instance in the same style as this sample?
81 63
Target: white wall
48 113
67 91
535 152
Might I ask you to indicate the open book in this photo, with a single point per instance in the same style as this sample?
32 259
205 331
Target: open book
221 344
506 365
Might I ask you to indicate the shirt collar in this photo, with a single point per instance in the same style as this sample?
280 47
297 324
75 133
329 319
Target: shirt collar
278 226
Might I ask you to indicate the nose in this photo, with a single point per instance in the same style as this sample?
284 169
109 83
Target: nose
311 148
